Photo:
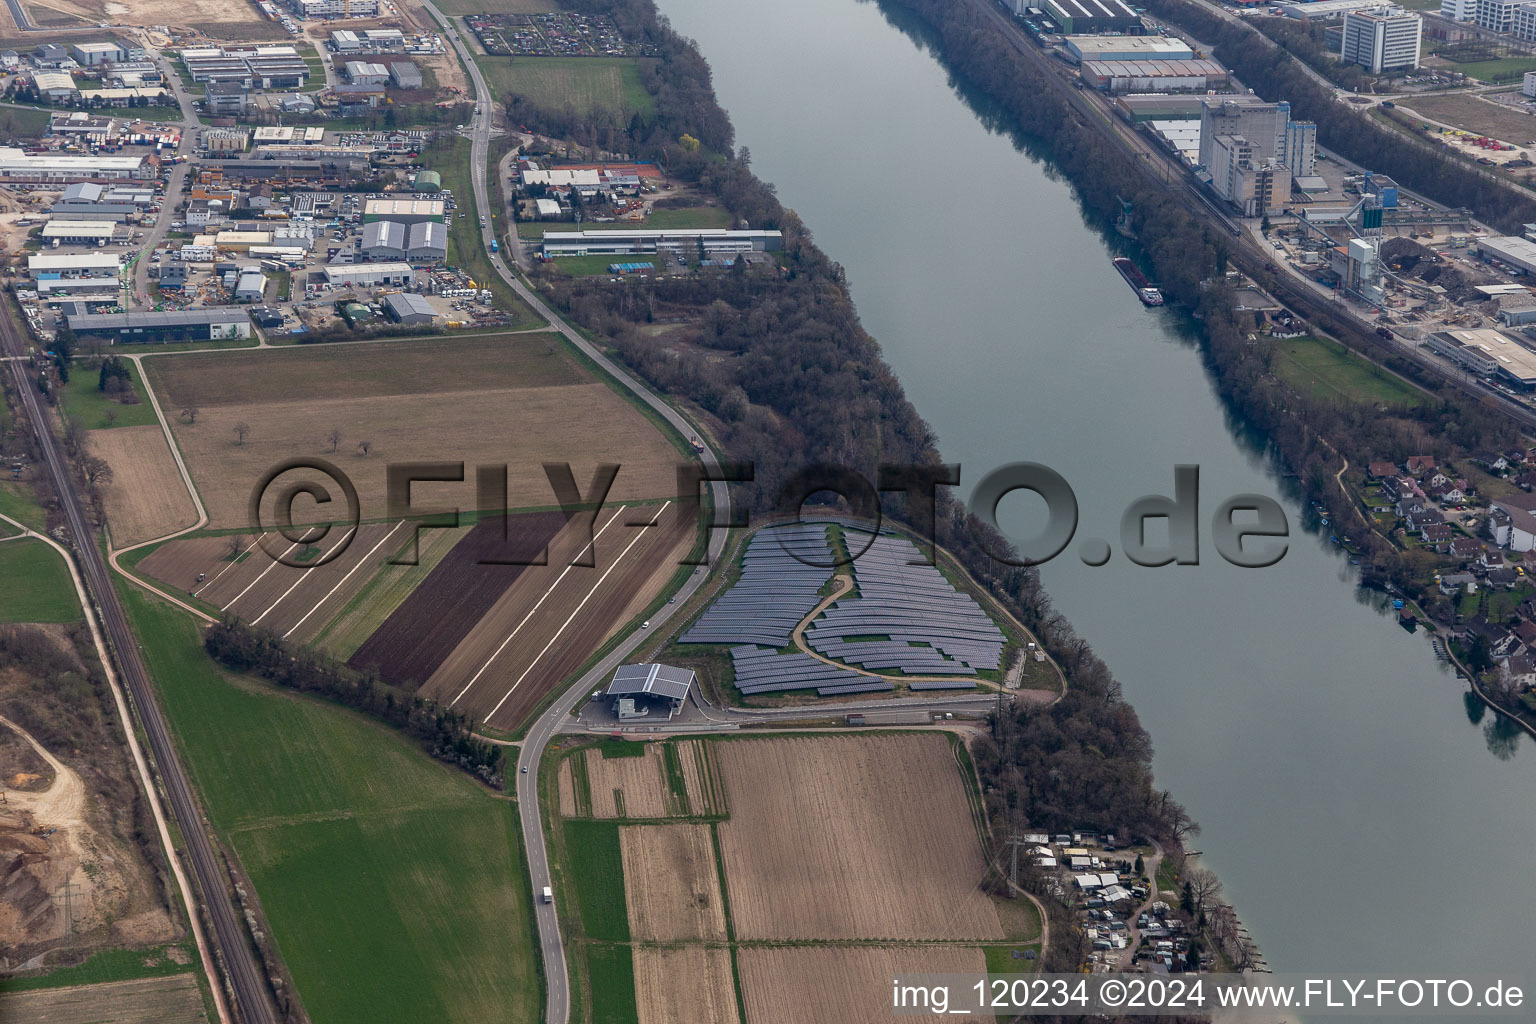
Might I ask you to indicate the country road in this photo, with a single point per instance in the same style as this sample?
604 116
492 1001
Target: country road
252 998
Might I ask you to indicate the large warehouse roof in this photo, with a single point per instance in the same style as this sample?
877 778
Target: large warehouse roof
1511 249
1154 68
403 208
1143 47
45 262
652 680
92 322
79 229
1094 8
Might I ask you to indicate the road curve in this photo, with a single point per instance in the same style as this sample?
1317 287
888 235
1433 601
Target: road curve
251 996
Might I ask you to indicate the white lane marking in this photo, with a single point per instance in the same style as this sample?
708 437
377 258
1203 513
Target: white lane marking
257 580
591 545
302 576
344 579
640 534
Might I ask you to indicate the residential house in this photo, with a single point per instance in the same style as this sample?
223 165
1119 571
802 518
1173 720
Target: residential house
1492 560
1526 479
1505 579
1449 494
1518 670
1436 479
1499 526
1381 470
1406 507
1463 548
1416 521
1520 534
1525 629
1493 462
1438 535
1392 487
1417 465
1454 583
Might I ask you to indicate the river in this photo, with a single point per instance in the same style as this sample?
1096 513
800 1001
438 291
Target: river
1361 814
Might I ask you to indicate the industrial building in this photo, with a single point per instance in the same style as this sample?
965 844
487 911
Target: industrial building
1325 10
1383 39
1081 48
79 265
79 232
335 8
1160 107
214 324
710 240
383 240
1121 76
1093 16
405 74
54 85
91 54
221 98
1358 265
259 67
406 308
369 275
1301 148
277 134
1243 150
427 242
1519 254
1488 353
636 690
362 72
18 165
406 211
427 181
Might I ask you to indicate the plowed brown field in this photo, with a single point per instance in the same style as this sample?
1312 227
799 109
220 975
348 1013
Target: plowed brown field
687 985
840 985
146 497
851 837
674 888
627 787
409 646
555 616
290 601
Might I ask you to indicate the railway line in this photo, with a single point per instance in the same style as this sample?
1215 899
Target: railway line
251 996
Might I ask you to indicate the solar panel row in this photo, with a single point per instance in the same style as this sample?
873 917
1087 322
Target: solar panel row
776 590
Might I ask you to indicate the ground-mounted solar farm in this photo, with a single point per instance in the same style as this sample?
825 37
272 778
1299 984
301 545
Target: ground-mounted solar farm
832 608
743 861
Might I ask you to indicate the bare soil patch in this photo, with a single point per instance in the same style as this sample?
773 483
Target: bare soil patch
840 985
627 787
685 985
1469 113
851 837
674 888
173 999
146 497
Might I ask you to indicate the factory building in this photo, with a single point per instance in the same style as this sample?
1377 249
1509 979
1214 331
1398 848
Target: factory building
362 72
1081 48
405 74
1519 254
1301 148
1325 10
1093 16
17 165
1383 39
249 286
335 8
90 54
1143 76
1243 143
383 240
427 242
1358 265
78 232
406 211
1157 107
215 324
405 308
55 85
75 265
1488 353
369 275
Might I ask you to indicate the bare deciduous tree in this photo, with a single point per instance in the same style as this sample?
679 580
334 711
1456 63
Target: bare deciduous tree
364 447
335 438
97 470
1204 886
236 545
242 431
190 412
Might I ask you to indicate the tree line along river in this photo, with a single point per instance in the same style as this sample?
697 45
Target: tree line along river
1363 815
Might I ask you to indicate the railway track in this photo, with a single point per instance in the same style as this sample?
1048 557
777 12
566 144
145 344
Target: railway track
251 996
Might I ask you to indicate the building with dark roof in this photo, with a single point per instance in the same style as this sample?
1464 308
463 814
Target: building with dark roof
180 325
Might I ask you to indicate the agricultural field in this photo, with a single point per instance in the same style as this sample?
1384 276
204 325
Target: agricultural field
497 6
514 400
686 985
85 403
408 647
146 497
842 984
1469 113
174 999
49 595
1328 371
394 885
885 817
289 600
680 899
841 860
585 83
628 780
553 617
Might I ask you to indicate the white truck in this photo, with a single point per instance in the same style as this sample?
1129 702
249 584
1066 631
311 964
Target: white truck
549 895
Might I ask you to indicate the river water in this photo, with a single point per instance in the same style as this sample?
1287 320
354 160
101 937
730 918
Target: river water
1362 817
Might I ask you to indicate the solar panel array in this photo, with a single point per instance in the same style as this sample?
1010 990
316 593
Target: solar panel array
762 670
776 589
909 604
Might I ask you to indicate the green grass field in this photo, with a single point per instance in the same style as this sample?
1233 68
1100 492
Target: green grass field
1504 69
611 972
16 502
111 965
23 121
83 400
585 83
394 885
1328 371
593 852
41 589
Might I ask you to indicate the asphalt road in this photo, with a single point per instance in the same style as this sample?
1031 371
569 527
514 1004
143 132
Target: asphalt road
251 997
